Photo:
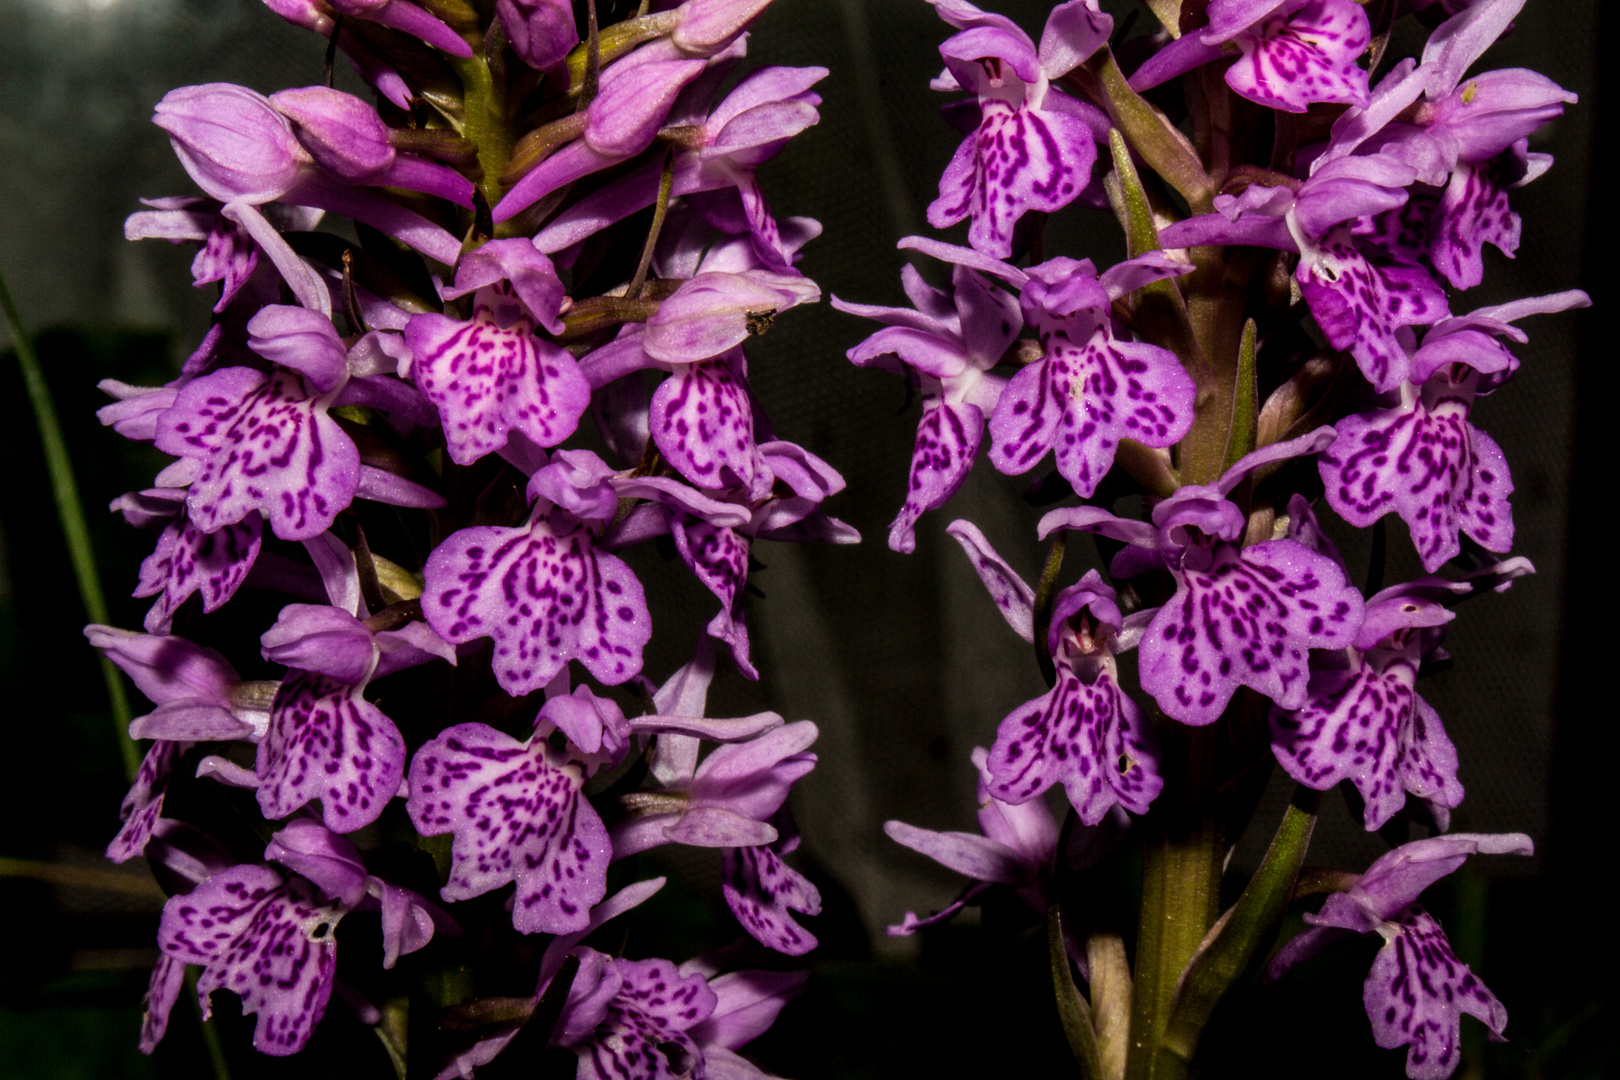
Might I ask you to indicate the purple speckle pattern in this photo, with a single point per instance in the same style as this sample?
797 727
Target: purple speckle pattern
1368 726
1426 462
1018 159
703 423
162 991
1089 737
229 256
1402 233
1359 301
763 892
265 444
643 1036
1294 58
545 595
1080 400
1245 618
188 560
719 557
1473 212
143 805
1417 991
491 376
263 937
516 814
326 742
948 440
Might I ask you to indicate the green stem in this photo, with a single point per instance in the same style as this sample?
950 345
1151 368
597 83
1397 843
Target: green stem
1181 877
1240 937
485 122
70 510
1045 593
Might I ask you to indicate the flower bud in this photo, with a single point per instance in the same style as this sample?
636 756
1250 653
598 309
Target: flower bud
707 26
232 141
343 134
542 32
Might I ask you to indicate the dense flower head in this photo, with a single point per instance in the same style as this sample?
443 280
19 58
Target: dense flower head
382 426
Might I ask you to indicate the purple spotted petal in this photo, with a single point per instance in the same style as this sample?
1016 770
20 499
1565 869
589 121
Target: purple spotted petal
1088 737
1245 618
1307 55
1012 595
491 376
1359 302
1404 232
264 443
948 440
188 560
1426 462
643 1034
1417 991
1369 727
545 594
703 423
326 742
228 256
1019 159
516 814
719 558
1473 212
162 991
763 892
264 938
1081 400
144 804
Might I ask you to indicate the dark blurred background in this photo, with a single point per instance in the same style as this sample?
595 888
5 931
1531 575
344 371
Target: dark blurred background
900 659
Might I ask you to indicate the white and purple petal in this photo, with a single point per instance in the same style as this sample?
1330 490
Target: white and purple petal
263 443
1417 992
188 560
702 419
948 440
546 596
327 742
1246 618
763 892
517 815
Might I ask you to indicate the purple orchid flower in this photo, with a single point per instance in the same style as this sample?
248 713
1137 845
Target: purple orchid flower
1240 616
733 800
1033 146
198 697
517 815
632 1018
187 560
1085 732
228 252
543 591
261 444
949 343
270 937
1417 990
1361 295
1016 845
1294 52
325 740
713 535
1090 388
372 69
492 375
1364 722
1424 459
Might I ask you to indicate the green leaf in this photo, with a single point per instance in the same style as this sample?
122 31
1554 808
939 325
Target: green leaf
1072 1008
1241 435
1151 134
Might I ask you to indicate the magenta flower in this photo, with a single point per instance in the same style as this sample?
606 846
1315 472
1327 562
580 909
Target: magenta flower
1417 990
1034 146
